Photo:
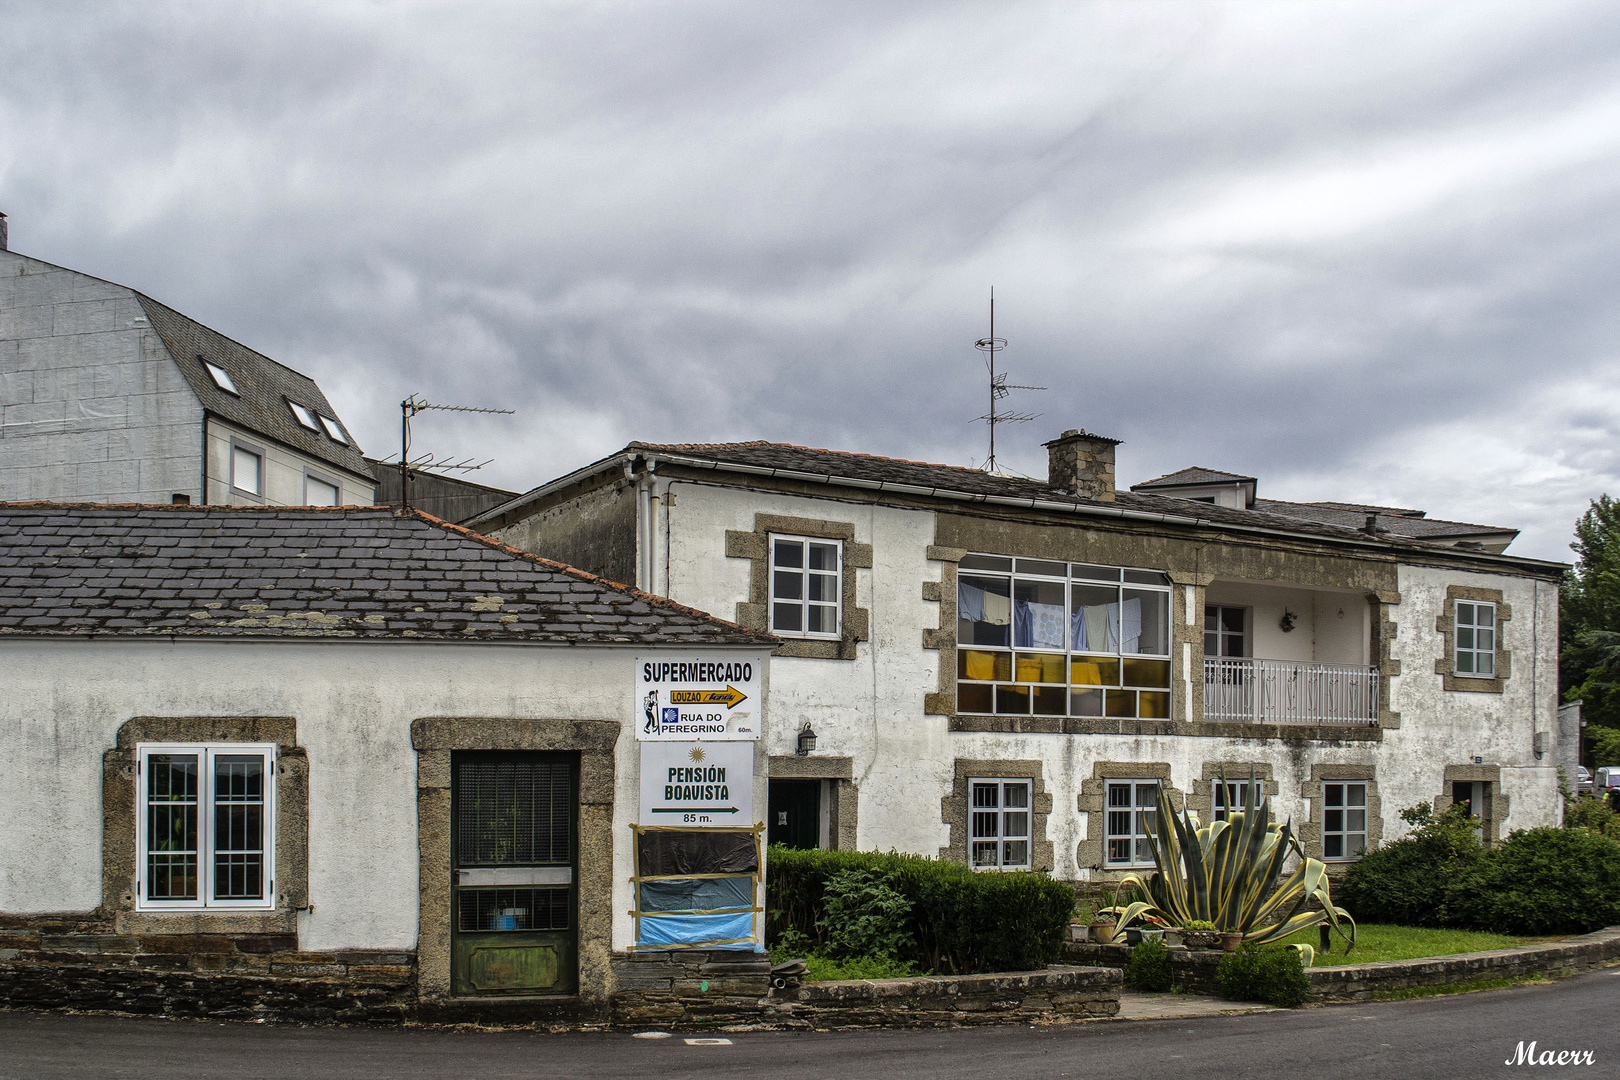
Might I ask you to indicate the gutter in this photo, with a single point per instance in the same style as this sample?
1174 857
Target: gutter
1053 505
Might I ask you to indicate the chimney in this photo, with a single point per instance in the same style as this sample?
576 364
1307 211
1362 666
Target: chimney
3 246
1082 464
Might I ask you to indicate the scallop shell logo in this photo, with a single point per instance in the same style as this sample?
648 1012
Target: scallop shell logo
696 755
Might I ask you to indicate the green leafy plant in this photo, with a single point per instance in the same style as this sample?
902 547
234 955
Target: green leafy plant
1594 816
961 922
1200 925
821 969
1274 976
1540 881
1148 967
865 917
1230 873
1405 882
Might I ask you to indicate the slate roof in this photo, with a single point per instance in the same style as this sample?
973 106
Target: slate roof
1401 523
1195 475
265 387
302 572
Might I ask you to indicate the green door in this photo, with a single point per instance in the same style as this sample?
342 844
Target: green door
514 904
795 813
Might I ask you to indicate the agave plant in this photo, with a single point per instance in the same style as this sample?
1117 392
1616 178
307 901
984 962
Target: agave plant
1227 873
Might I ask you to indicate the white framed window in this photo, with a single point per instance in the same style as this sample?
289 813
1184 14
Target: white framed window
999 824
807 581
333 429
319 491
221 377
1474 654
1344 819
304 417
1036 636
1234 795
247 470
1132 809
1225 631
205 826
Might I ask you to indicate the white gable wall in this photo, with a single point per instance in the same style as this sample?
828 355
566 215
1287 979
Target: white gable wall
92 408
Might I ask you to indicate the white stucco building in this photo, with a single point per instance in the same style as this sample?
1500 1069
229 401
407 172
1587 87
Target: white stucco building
108 396
1004 671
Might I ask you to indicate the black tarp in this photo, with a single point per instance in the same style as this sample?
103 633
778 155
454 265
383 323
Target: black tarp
698 851
697 894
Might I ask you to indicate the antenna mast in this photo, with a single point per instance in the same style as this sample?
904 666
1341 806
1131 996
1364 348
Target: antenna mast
409 408
999 387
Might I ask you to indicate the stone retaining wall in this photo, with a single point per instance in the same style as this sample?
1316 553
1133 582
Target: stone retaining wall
1055 995
1194 969
1357 982
689 988
79 962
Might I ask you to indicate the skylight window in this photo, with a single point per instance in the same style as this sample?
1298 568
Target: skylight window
304 416
221 377
333 430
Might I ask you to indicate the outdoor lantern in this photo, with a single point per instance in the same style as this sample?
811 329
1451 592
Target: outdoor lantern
807 740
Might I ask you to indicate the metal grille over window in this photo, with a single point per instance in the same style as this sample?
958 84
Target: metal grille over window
1476 639
1036 637
238 827
1344 820
512 909
805 586
1234 796
514 811
999 829
172 841
1132 809
206 833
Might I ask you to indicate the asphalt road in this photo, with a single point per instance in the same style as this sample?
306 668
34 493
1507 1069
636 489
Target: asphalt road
1467 1037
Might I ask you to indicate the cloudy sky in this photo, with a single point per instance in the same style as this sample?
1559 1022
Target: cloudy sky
1366 252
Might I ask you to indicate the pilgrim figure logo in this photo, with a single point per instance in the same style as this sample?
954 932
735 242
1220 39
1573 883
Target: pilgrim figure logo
651 706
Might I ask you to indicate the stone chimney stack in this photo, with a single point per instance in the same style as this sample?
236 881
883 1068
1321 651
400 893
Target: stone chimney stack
1082 464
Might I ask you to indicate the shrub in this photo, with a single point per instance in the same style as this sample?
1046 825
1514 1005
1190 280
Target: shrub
960 922
818 969
1594 816
865 918
1540 881
1149 967
1405 882
1274 976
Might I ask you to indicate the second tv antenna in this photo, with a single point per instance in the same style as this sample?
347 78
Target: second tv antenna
409 408
999 387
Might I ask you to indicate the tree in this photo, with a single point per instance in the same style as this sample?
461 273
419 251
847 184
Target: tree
1589 629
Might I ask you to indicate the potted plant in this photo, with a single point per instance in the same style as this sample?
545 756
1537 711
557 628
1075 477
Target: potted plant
1200 934
1102 926
1231 940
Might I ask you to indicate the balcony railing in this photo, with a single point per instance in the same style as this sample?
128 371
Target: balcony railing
1246 690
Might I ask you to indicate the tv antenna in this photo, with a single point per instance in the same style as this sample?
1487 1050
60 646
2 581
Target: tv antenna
999 387
409 408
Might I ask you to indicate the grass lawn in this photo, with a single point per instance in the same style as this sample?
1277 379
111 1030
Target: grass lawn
1378 941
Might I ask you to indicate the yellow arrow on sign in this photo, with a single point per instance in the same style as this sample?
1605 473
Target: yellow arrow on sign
730 697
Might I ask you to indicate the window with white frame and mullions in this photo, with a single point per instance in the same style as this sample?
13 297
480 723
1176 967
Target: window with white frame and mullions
999 824
1044 638
1475 640
806 586
1344 820
1132 811
205 834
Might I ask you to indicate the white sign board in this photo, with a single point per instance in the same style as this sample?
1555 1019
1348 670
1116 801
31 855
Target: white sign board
686 697
697 784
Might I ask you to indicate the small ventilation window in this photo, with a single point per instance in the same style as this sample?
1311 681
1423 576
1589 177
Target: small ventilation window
304 416
334 430
221 377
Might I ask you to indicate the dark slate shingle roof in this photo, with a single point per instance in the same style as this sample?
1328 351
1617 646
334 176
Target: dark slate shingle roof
1355 516
265 387
954 478
348 572
1195 475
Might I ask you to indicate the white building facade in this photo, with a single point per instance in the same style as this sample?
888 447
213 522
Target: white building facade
1004 672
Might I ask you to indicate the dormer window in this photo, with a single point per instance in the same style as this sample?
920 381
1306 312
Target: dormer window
221 377
333 430
304 417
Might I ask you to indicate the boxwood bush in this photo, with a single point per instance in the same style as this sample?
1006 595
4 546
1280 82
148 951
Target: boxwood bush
1540 881
1272 975
1405 882
959 922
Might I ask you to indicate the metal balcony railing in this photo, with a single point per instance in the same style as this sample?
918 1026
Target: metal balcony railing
1247 690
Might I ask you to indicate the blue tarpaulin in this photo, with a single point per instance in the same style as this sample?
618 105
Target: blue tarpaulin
662 931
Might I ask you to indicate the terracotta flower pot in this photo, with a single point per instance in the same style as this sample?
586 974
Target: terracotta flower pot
1230 942
1102 932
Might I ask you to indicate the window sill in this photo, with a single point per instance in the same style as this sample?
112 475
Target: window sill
205 921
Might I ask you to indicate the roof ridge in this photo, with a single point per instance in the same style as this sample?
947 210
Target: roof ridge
810 449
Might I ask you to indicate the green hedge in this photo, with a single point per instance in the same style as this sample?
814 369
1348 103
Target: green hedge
1540 881
1255 973
961 922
